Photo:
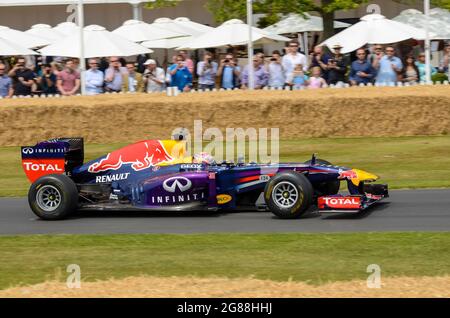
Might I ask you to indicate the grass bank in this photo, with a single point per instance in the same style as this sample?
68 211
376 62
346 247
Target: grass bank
402 162
311 258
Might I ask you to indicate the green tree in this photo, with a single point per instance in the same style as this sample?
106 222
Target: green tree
224 10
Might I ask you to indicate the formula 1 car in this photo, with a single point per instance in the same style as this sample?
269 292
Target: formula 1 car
157 175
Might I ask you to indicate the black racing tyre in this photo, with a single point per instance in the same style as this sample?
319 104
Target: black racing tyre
288 194
53 197
326 188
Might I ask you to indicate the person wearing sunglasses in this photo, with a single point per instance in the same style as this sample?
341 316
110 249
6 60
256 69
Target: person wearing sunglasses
293 58
6 89
94 78
389 67
376 54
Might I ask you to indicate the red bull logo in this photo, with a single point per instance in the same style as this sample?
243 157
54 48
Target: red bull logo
141 155
347 174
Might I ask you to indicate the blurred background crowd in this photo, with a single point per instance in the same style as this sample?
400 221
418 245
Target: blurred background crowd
374 64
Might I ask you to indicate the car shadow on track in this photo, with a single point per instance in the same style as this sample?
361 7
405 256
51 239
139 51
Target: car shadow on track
361 215
143 214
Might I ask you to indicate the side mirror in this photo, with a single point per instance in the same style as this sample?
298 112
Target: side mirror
313 159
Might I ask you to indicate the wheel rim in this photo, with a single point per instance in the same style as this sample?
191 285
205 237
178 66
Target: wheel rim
285 194
48 198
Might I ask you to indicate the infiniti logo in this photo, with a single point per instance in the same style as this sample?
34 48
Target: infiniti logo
27 151
171 184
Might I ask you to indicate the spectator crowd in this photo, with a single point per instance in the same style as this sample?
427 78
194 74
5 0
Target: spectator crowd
377 64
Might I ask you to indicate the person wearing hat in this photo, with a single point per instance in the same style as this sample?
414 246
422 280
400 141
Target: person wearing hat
154 77
337 66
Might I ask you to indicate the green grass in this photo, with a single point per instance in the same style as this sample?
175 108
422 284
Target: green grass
402 162
312 258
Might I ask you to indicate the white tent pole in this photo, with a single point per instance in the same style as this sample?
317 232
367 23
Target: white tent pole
305 35
427 42
137 12
251 70
82 60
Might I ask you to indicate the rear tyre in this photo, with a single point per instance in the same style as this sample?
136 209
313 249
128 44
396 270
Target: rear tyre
288 195
53 197
326 188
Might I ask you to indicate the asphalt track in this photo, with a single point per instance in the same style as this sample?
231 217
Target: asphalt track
414 210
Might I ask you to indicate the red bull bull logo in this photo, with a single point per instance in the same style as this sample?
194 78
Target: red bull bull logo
141 155
347 174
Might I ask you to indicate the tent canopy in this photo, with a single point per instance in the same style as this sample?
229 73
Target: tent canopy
139 31
295 23
45 31
417 19
27 40
232 32
186 22
168 43
98 42
171 25
10 48
373 29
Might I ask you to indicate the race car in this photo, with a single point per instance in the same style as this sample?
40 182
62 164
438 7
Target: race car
158 175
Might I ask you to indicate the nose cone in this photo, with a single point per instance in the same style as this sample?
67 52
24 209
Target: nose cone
362 175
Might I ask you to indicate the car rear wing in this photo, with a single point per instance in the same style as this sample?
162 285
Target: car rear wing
54 156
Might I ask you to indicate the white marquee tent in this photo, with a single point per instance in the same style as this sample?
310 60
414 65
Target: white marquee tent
98 42
232 32
295 23
22 38
10 48
373 29
415 18
45 31
139 31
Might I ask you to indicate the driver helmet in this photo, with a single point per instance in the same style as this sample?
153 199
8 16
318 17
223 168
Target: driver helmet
203 157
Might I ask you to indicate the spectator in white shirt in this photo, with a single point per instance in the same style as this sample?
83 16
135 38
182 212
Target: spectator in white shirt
293 58
154 77
94 79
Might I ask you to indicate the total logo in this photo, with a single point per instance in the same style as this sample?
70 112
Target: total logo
341 201
46 167
181 183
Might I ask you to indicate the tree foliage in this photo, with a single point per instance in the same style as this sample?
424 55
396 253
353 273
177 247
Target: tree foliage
224 10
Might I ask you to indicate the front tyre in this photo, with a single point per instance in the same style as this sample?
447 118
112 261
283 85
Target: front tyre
53 197
288 194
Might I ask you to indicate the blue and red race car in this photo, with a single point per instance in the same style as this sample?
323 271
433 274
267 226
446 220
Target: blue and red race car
157 175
